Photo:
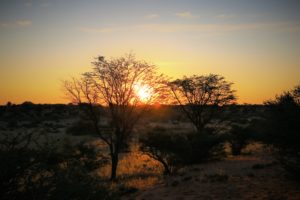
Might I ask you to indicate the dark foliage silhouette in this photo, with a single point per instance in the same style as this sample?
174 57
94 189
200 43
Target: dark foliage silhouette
284 126
164 147
239 136
44 172
175 150
200 97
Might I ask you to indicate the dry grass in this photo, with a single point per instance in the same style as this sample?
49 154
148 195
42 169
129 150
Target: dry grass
233 178
135 170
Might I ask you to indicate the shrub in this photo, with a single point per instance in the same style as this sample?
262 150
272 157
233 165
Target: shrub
207 145
284 119
239 137
46 173
174 150
81 127
164 147
217 177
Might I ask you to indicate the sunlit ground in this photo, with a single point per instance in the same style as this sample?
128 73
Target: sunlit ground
253 175
135 170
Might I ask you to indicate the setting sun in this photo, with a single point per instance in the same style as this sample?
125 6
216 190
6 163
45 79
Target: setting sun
143 92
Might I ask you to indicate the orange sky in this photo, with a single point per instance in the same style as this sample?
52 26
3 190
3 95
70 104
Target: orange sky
255 44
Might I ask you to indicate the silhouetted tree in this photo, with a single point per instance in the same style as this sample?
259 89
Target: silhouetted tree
296 94
200 97
117 84
284 117
8 104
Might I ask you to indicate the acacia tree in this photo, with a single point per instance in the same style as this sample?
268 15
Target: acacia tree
125 86
199 96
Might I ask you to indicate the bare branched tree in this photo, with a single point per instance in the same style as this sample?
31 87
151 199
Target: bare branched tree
199 96
126 87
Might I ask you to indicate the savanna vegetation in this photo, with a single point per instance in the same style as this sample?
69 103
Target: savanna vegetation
129 127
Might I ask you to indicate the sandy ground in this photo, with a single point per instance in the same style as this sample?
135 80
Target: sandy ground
236 178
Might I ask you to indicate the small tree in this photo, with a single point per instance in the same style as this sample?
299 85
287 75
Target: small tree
200 97
165 147
125 86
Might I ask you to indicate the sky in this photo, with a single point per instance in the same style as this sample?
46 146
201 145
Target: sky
253 43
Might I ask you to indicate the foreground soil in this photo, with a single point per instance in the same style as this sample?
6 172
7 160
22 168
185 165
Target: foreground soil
240 177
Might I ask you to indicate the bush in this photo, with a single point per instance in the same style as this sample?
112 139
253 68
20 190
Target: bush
284 119
46 173
81 127
174 150
207 145
239 137
217 177
164 147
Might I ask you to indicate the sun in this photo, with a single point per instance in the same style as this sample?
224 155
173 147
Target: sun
143 92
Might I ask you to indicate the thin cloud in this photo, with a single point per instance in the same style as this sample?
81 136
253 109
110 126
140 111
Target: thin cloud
28 4
151 16
4 24
201 28
196 27
226 16
219 27
16 24
23 23
45 4
187 15
96 30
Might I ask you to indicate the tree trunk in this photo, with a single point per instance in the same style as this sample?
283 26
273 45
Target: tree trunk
236 149
114 165
167 170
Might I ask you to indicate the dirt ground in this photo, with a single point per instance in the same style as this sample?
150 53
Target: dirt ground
241 177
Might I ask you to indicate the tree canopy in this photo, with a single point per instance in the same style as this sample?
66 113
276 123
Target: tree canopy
199 95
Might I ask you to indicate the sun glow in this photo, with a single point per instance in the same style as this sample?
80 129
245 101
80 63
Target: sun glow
143 92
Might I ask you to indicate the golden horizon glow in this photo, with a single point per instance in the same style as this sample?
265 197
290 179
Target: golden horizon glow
253 44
